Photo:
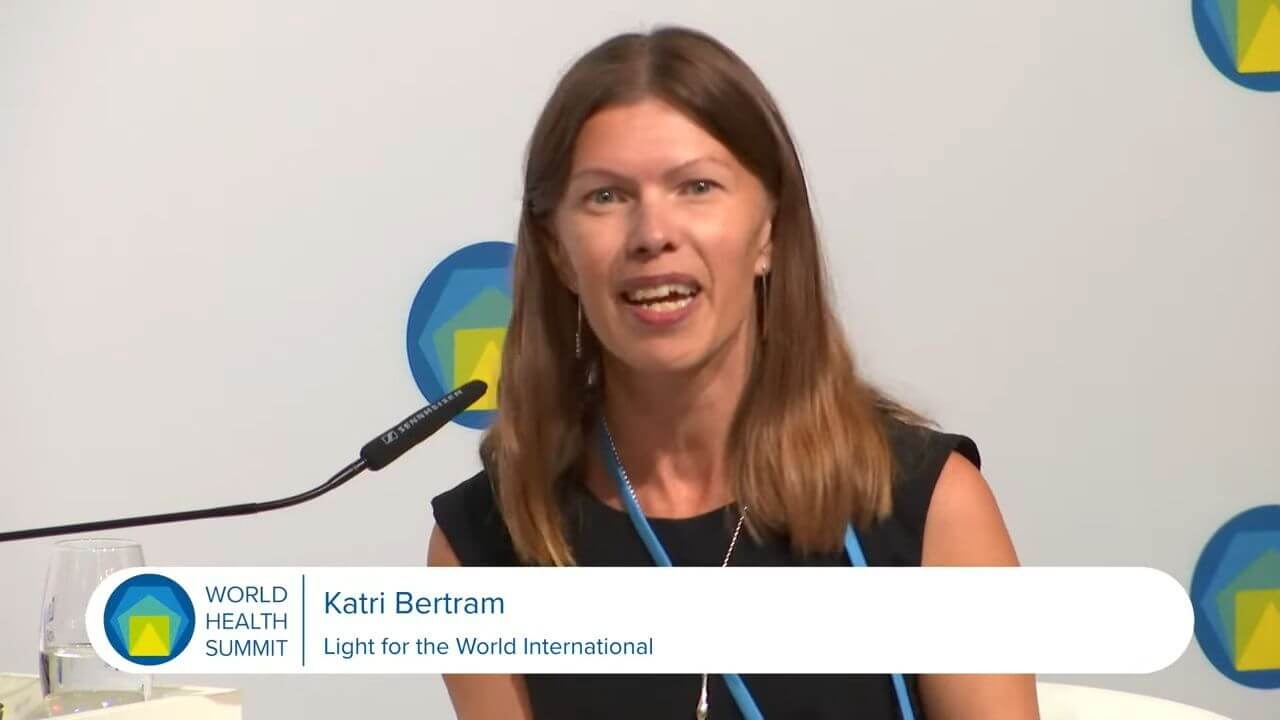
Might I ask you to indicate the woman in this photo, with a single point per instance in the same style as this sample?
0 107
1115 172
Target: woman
671 345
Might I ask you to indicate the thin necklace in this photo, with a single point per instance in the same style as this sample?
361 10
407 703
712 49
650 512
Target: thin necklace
704 705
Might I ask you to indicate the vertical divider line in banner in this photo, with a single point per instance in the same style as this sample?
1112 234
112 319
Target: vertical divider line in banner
303 599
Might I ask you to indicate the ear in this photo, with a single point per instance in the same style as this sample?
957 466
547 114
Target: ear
764 254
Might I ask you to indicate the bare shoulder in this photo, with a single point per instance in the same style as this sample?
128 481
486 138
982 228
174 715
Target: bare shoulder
963 525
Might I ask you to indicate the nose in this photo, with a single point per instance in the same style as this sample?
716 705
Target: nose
652 228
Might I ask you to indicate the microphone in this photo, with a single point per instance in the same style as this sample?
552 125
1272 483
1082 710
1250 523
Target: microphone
375 455
379 452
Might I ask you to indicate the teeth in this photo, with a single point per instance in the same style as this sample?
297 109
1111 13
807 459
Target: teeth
659 291
669 305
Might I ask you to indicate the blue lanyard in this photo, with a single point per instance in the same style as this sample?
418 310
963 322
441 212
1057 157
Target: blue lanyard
738 689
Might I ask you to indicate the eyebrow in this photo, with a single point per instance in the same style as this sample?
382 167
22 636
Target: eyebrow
666 174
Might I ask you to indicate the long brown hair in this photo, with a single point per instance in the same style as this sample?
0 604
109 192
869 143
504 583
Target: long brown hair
807 451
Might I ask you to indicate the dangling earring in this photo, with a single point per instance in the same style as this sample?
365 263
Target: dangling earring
592 376
764 302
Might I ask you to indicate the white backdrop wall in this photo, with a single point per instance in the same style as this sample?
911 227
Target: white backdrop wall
1051 225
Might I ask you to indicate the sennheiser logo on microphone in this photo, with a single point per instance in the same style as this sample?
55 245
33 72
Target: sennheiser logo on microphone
421 415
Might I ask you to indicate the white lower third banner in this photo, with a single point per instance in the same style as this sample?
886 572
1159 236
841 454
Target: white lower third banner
639 620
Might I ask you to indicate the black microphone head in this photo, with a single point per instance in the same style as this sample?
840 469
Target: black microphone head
380 451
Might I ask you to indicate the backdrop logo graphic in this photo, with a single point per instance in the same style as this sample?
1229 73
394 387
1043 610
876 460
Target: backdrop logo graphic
458 323
1242 39
1236 593
149 619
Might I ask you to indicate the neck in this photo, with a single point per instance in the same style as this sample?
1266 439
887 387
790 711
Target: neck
671 431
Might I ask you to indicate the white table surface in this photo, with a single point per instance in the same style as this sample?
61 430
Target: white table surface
20 694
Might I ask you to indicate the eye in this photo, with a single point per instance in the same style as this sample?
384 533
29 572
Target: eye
700 186
602 196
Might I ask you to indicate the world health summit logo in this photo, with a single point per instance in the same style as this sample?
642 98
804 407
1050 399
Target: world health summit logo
1236 594
1242 39
458 323
149 619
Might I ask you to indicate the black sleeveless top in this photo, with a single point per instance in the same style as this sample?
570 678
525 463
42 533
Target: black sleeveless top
603 536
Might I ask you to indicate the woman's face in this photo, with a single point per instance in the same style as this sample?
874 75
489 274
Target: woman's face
661 232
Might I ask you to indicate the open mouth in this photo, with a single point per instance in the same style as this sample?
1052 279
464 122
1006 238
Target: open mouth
663 298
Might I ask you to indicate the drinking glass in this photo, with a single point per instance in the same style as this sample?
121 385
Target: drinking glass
72 676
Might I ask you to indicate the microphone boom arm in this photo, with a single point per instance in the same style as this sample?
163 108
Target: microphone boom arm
343 475
375 455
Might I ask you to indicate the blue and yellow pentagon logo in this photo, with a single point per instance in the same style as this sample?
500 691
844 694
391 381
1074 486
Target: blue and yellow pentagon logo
458 323
1236 594
1242 39
149 619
